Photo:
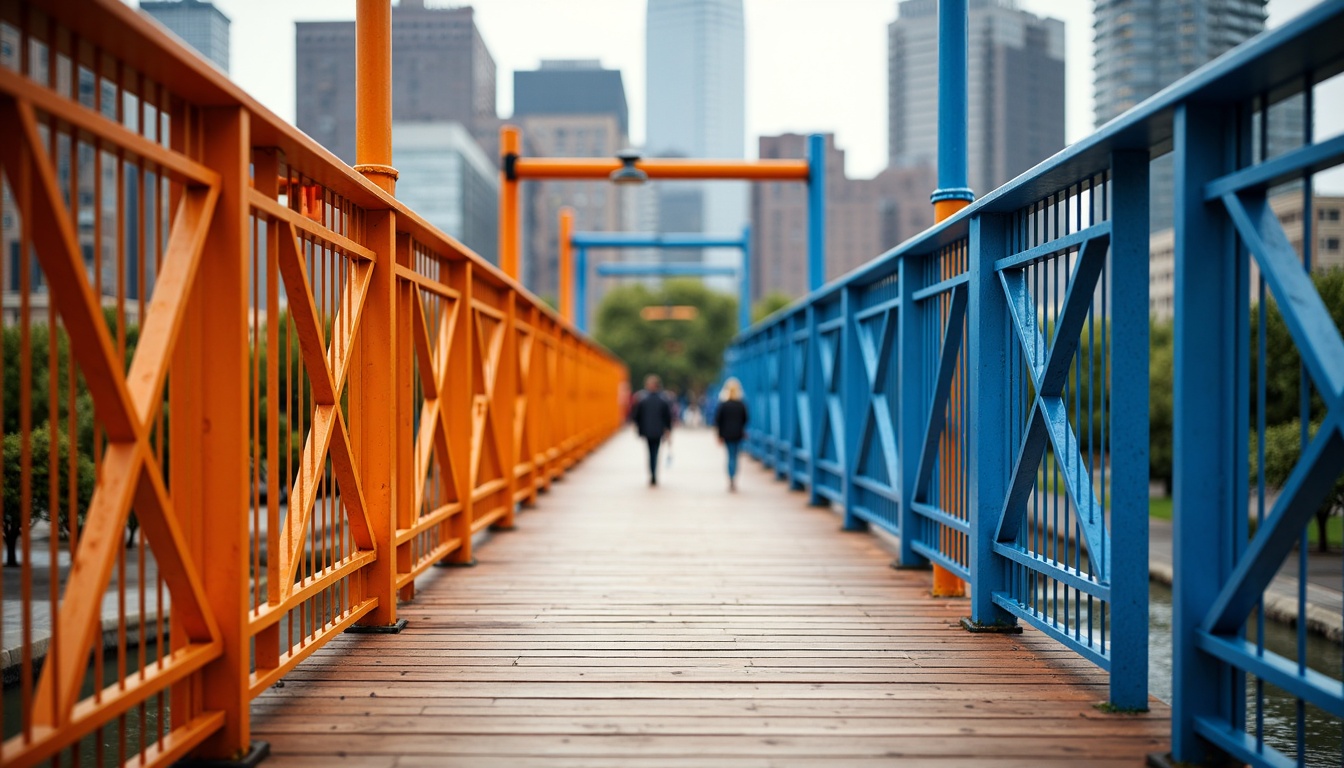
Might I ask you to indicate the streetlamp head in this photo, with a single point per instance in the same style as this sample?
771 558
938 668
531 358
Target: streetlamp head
628 173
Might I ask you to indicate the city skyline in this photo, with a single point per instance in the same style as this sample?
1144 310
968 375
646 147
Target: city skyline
782 49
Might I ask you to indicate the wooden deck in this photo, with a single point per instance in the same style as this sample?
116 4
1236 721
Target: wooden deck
621 625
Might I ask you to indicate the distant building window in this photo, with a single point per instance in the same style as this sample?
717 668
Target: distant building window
1329 214
1330 243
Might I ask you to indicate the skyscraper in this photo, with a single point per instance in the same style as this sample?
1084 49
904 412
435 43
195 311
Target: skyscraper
448 179
198 22
864 217
1145 45
569 108
441 71
1142 46
1015 73
696 77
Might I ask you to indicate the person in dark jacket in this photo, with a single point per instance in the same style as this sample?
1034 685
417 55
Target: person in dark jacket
652 415
731 420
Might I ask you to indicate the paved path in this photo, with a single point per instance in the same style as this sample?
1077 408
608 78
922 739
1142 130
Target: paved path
621 625
1325 584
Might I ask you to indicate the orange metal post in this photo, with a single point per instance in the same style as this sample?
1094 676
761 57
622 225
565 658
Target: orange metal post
221 437
459 401
945 584
373 394
373 92
510 147
566 264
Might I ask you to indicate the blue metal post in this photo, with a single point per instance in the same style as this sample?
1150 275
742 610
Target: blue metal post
744 283
814 397
991 459
1208 444
854 394
581 288
911 394
1129 429
952 103
816 211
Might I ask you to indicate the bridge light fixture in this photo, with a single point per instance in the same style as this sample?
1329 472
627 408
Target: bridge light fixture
628 173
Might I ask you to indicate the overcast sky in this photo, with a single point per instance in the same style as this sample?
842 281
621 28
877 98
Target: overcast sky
812 65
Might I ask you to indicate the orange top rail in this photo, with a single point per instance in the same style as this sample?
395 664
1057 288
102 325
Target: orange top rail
658 168
257 394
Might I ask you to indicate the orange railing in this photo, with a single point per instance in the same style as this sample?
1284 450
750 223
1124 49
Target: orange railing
248 396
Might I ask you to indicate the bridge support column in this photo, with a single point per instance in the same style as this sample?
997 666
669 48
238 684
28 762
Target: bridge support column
1209 426
990 456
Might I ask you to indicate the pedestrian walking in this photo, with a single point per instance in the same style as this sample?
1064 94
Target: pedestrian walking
652 415
730 418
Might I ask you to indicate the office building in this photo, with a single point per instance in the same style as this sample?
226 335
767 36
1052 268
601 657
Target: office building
864 217
1142 46
1015 74
1327 251
696 78
441 71
569 109
198 22
448 179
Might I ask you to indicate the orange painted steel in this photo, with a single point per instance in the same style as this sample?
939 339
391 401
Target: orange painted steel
286 389
661 168
945 583
510 147
566 266
373 92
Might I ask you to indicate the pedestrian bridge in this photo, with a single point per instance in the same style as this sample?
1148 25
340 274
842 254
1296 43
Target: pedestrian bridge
620 624
252 403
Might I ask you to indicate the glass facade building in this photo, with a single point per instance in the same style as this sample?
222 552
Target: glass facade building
198 22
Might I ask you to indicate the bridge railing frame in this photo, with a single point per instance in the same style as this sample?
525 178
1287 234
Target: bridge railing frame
966 504
424 394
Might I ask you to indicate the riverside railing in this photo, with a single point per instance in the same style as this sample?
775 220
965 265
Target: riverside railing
982 390
239 380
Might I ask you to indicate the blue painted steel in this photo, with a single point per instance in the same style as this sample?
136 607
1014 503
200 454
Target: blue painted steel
1129 274
953 104
581 288
585 240
1208 386
816 211
744 282
989 408
633 269
657 240
1054 373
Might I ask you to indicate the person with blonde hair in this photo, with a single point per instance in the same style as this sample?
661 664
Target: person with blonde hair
731 421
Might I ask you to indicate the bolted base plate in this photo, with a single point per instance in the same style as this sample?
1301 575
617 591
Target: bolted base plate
382 629
990 629
256 752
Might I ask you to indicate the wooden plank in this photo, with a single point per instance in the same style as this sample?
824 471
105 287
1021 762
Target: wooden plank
682 625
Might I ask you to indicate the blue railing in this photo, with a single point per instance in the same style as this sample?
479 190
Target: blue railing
982 391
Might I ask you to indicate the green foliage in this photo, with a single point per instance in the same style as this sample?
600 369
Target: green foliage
39 453
1161 372
1283 363
769 305
687 354
1283 447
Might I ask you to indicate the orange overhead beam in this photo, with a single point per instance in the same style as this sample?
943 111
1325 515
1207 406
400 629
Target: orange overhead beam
661 168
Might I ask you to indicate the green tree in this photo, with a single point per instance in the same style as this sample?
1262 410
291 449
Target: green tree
770 304
687 354
1283 448
1283 363
39 452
